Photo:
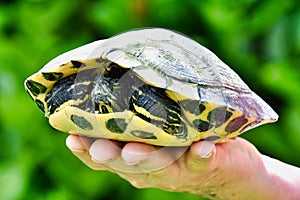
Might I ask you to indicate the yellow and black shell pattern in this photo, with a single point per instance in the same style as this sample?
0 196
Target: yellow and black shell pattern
151 85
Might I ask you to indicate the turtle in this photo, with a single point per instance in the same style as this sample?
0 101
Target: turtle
150 85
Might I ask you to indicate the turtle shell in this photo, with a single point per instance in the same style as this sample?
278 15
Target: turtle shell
151 85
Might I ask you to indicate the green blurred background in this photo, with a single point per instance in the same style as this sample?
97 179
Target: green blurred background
259 39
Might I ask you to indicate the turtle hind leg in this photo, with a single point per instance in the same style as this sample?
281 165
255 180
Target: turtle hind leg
154 106
71 90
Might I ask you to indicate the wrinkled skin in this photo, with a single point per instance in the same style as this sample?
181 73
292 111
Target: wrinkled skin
233 170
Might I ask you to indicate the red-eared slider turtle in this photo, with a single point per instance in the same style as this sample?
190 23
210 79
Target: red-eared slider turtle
151 85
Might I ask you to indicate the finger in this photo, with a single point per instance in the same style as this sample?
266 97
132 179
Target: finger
148 158
200 155
107 153
203 149
79 147
134 152
78 144
153 166
104 151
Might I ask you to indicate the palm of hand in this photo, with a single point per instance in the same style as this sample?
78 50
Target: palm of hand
174 168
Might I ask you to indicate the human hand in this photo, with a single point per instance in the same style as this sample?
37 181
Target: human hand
233 170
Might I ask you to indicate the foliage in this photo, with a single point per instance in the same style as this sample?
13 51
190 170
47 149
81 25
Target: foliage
260 40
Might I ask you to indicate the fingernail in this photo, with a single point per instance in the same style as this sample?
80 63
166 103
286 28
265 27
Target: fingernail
131 163
103 151
96 160
206 149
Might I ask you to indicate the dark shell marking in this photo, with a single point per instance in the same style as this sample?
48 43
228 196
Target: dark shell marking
192 106
236 124
52 76
201 125
40 105
35 87
116 125
81 122
77 64
143 134
219 116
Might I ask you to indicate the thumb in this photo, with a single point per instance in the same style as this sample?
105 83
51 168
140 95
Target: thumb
200 154
203 149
